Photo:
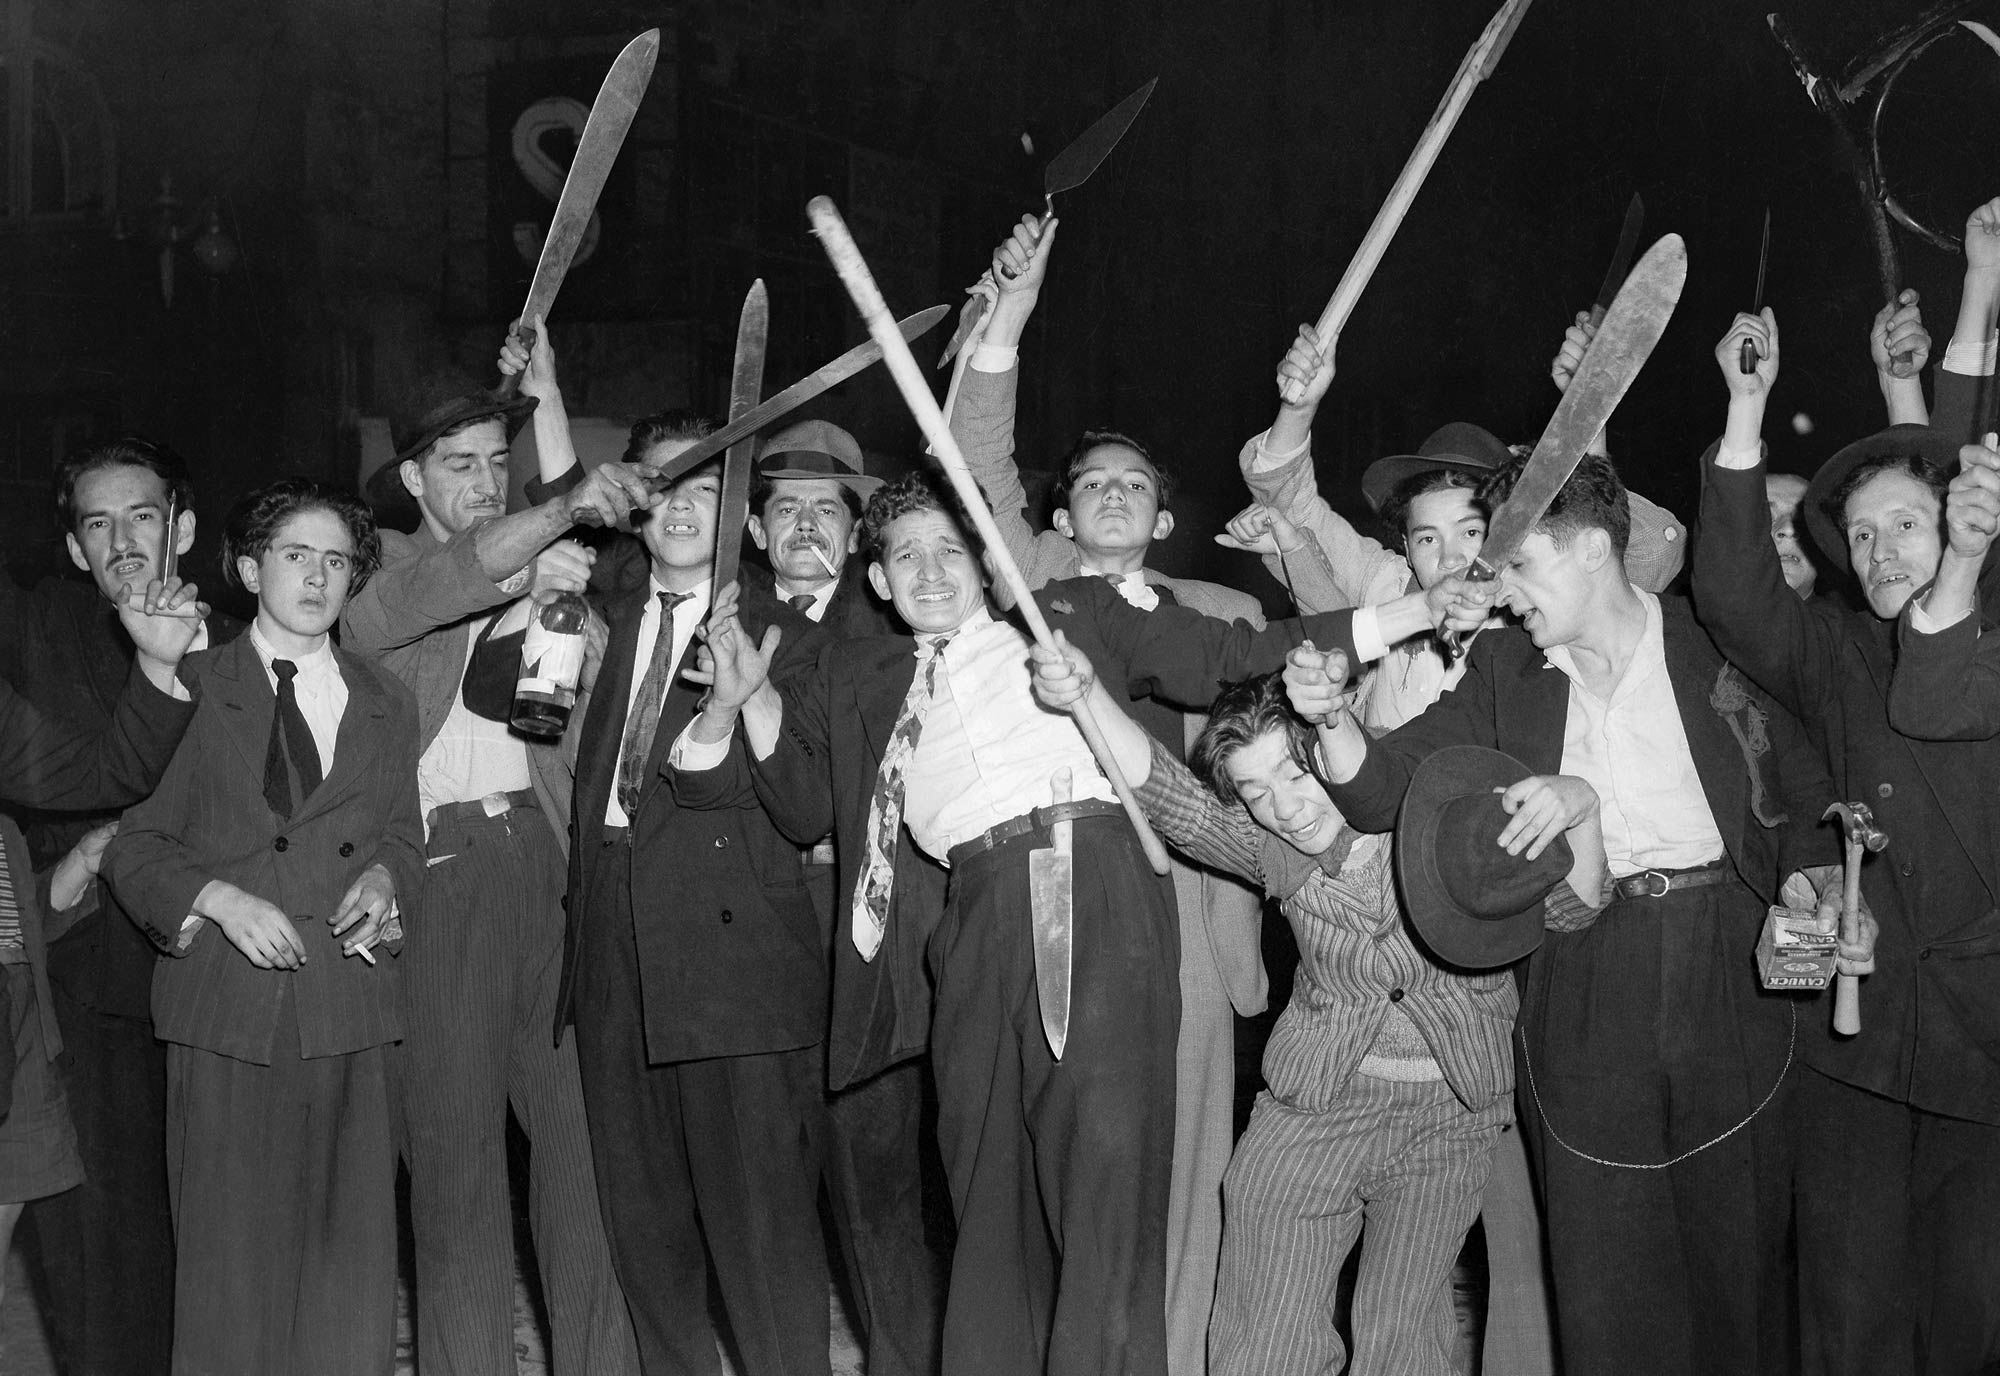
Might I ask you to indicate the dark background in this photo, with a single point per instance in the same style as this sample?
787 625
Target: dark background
357 153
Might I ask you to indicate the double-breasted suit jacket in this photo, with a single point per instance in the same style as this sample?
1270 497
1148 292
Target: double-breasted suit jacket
208 820
730 958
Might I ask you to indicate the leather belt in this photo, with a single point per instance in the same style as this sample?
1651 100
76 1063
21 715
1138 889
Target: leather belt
996 836
492 805
1660 883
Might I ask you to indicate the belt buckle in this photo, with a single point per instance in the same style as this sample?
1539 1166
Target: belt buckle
496 804
1652 877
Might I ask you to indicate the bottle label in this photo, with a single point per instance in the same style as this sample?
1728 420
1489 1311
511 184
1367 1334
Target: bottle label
551 661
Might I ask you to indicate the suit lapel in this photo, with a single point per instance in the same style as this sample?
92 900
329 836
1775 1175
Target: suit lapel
240 687
1531 707
359 739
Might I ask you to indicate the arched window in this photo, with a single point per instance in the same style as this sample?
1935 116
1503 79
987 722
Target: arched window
58 159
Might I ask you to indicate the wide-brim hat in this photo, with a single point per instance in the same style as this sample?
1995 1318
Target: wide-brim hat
437 406
816 449
1474 905
1898 441
1458 445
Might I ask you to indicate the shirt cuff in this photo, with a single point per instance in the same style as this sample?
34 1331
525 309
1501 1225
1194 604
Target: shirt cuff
1923 623
995 358
691 756
1974 360
1366 632
1265 459
189 926
1727 456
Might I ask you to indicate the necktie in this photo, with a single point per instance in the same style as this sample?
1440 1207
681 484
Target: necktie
291 739
885 809
800 602
644 723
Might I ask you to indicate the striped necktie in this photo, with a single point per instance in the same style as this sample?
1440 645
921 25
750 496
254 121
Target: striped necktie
644 723
885 809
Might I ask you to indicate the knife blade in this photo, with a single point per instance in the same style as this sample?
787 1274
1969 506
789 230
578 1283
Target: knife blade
798 394
603 135
1051 913
1747 356
1621 261
746 383
1634 324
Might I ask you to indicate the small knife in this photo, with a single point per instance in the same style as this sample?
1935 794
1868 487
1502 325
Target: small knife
1621 261
1746 358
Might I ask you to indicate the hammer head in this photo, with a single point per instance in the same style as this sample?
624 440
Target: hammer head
1859 823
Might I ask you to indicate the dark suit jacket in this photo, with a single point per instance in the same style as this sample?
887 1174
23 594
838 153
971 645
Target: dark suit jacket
730 960
1931 1011
208 820
852 612
838 718
1763 786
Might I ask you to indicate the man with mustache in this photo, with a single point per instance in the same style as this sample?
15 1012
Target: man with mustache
482 966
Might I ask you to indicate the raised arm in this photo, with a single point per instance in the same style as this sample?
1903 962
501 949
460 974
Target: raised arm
1900 346
1947 681
1965 390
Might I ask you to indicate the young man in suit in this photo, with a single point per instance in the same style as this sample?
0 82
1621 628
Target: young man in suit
480 971
1657 1068
267 865
1059 1169
695 973
1112 508
106 1247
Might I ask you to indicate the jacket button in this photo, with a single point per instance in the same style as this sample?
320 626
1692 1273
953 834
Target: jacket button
1907 870
728 916
346 849
1395 996
1924 954
722 843
1885 790
281 844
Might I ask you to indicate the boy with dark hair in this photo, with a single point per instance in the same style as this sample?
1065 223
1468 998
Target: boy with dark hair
287 823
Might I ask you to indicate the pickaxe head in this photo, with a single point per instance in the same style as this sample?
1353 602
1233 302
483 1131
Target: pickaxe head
1858 822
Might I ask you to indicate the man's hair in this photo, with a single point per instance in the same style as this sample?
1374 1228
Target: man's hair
921 489
1592 499
1243 713
680 423
763 488
1909 461
257 516
1072 465
129 452
1395 512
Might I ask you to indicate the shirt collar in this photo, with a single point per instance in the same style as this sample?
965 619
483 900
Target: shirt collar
319 661
1648 657
698 596
981 618
1135 576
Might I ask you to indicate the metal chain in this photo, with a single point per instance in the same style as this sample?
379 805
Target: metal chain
1662 1165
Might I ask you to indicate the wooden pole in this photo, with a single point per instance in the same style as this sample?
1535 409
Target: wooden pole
847 261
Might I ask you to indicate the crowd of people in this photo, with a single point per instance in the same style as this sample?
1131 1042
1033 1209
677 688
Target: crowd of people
829 876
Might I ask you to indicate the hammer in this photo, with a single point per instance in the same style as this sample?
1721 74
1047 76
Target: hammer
1857 823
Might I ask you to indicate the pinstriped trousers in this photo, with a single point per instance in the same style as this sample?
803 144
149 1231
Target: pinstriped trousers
480 971
1399 1166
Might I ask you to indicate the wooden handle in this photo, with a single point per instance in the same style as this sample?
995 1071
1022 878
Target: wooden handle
1846 1005
902 364
1847 988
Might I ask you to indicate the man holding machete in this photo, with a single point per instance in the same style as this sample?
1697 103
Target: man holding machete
1655 1067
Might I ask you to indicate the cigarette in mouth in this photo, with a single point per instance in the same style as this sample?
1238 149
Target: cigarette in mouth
824 562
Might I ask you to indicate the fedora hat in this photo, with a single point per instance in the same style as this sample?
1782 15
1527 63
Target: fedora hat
436 406
1458 445
1898 441
816 449
1473 904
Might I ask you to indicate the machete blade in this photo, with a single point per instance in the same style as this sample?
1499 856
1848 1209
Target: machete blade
798 394
746 383
1072 167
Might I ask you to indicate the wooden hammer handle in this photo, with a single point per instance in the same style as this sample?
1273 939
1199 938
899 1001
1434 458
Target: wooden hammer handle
1847 988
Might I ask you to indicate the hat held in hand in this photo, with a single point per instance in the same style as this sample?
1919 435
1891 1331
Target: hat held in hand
1474 905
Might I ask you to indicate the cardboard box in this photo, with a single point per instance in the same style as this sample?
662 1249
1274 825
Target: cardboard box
1794 953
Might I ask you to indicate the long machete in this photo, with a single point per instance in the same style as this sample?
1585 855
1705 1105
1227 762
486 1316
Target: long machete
753 329
603 135
1066 171
1633 325
798 394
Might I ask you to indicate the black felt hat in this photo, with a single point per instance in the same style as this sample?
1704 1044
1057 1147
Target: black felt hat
436 406
1459 445
1898 441
1474 905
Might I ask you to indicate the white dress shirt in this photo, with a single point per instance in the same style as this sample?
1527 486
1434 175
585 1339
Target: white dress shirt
470 757
687 616
1633 749
821 596
321 691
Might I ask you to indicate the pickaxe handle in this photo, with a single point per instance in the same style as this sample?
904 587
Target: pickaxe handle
846 256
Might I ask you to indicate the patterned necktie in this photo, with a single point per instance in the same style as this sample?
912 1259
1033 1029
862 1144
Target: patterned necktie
291 739
885 809
644 723
801 602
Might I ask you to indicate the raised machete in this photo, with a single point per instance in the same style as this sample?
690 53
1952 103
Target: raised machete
1633 325
1066 171
798 394
746 382
1621 261
603 135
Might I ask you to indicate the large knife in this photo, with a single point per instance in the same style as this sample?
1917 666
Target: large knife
1621 261
746 382
1067 171
1633 325
1051 915
603 135
798 394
